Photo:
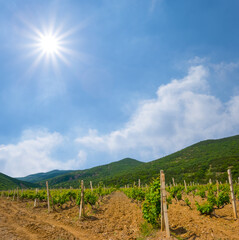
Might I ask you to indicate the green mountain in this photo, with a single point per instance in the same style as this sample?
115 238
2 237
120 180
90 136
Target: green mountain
200 162
103 173
43 176
7 182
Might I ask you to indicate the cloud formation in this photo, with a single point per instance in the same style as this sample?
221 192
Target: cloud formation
33 153
183 112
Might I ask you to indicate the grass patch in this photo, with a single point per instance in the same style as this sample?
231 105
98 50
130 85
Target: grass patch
146 229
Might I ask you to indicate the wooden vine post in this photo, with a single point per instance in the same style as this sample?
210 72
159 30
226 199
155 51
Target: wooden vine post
217 188
139 183
82 207
173 182
232 193
13 198
164 210
161 198
185 185
17 194
48 197
36 201
91 187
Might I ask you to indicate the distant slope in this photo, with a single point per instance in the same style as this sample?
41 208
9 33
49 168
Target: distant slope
7 182
198 163
43 176
101 173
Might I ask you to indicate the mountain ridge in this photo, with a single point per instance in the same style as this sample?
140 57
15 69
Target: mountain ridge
199 162
36 177
7 182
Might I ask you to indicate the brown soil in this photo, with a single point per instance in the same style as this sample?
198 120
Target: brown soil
190 224
116 218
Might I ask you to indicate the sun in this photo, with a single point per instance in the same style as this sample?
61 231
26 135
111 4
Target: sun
49 44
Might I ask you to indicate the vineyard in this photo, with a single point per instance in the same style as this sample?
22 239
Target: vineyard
194 212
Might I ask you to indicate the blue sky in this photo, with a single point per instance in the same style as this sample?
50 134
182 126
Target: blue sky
139 78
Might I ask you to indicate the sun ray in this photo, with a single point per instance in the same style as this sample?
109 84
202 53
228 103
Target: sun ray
50 44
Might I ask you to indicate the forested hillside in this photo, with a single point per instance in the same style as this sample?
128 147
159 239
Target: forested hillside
200 162
7 182
43 176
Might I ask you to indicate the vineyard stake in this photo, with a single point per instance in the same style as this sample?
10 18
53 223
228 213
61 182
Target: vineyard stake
48 197
14 195
17 194
173 182
139 183
185 185
232 193
161 194
82 209
36 201
91 186
165 211
217 188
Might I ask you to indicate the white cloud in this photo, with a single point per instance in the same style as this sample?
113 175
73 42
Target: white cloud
184 112
33 153
82 157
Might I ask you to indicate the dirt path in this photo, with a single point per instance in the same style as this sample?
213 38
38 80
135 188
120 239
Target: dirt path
116 219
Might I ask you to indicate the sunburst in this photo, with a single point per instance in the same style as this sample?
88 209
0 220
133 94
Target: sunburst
49 46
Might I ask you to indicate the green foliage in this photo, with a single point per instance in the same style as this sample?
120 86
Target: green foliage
222 199
206 208
211 198
135 193
214 201
201 193
61 197
176 192
146 229
91 197
188 203
152 203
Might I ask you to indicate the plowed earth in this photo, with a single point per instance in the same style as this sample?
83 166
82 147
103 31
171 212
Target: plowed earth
116 218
